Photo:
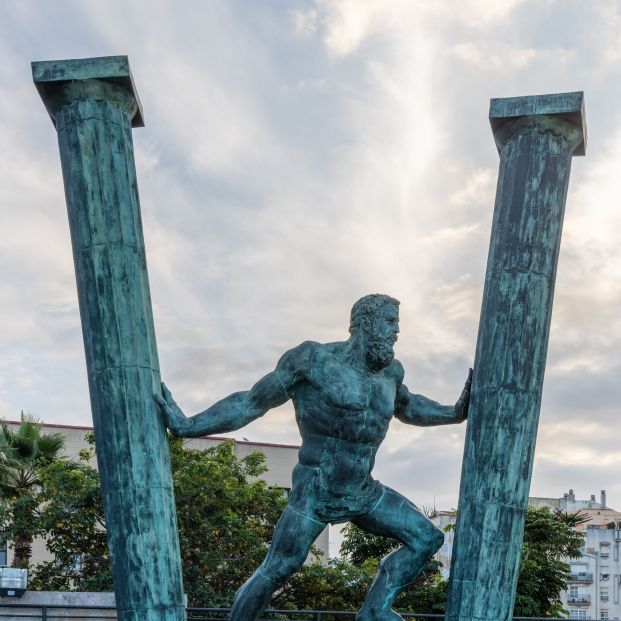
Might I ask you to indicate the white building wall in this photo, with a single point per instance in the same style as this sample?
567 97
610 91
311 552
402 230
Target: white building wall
442 519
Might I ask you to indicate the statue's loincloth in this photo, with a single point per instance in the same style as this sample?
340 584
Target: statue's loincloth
320 497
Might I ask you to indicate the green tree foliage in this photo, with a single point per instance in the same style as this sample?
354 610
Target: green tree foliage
72 520
226 516
548 538
359 546
427 594
339 585
23 452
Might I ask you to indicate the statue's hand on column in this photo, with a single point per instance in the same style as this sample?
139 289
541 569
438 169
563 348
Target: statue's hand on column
461 407
174 418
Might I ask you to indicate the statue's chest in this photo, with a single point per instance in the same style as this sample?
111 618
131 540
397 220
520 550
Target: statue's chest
343 387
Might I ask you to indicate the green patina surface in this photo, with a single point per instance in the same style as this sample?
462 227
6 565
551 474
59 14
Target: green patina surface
537 138
93 104
48 75
344 394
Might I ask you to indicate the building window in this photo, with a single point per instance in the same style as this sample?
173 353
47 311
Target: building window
603 594
3 553
604 614
577 614
573 592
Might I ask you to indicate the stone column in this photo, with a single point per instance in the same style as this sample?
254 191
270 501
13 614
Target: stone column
93 104
536 138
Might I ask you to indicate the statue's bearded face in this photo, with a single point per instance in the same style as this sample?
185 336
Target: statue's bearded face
381 338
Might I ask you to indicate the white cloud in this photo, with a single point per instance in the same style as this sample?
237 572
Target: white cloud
502 57
304 22
348 24
479 187
508 58
479 13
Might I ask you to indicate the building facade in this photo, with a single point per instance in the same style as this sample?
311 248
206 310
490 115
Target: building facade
280 460
594 589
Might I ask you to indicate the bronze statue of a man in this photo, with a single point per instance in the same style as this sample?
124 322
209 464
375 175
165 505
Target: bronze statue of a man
345 395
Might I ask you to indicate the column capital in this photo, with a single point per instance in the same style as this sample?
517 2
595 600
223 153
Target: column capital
554 112
105 77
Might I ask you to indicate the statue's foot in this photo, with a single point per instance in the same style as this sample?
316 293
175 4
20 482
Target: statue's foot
372 615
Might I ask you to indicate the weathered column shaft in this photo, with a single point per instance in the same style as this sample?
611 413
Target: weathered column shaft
93 117
537 138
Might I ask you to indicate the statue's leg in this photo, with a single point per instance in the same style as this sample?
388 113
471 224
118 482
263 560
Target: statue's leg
395 516
293 536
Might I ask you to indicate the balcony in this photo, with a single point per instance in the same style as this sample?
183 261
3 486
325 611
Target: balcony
581 576
580 600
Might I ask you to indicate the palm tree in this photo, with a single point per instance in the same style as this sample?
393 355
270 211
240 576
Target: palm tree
22 453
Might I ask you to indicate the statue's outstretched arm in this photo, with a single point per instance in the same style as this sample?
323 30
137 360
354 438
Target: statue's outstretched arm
240 408
418 410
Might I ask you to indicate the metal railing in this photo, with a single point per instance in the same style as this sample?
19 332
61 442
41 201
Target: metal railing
579 599
33 612
221 614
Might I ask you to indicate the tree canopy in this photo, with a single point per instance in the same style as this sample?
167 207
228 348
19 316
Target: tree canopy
225 515
549 539
72 521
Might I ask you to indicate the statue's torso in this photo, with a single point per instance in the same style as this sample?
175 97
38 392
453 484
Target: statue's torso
343 415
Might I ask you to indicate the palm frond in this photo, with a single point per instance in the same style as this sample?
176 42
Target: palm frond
22 451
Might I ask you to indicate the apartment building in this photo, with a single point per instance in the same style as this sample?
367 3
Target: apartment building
280 460
594 589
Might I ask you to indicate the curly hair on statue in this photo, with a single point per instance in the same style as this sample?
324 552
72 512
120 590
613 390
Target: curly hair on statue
365 310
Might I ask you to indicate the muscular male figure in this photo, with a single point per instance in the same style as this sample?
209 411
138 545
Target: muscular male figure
345 395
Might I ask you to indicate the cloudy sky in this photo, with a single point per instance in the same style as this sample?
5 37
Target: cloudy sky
298 155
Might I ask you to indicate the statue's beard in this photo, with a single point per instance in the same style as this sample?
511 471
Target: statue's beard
380 352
